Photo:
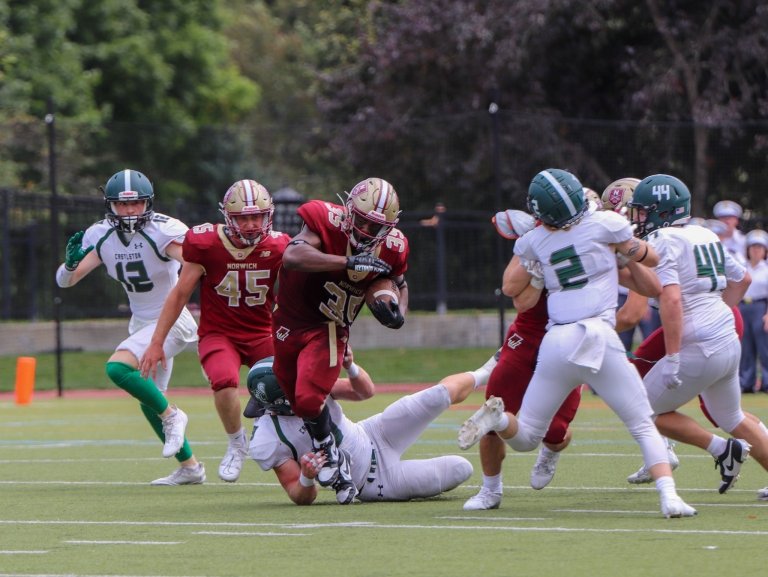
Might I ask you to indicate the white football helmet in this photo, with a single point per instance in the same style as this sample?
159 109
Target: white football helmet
247 197
372 209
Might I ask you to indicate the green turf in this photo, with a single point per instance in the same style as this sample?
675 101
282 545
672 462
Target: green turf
85 370
75 501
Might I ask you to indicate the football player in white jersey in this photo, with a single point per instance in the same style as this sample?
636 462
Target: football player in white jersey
576 247
141 249
281 442
701 282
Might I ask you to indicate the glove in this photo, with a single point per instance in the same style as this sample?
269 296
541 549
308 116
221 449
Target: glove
388 314
513 224
534 269
670 370
368 263
74 251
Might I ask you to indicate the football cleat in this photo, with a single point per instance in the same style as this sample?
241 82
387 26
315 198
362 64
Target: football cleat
486 419
344 487
762 494
329 472
232 463
544 469
512 224
174 426
673 507
643 475
730 461
484 500
183 476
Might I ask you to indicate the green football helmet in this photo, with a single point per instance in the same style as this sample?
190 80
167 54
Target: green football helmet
128 185
665 200
556 197
265 390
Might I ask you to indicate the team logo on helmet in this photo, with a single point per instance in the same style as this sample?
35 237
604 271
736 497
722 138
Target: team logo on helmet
617 194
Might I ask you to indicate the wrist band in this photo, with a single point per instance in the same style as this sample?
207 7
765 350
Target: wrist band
353 371
645 254
306 481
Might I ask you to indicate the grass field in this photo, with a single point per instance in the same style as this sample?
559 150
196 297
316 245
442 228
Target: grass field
85 370
76 501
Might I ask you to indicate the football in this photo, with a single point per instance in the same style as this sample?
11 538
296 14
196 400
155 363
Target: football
382 289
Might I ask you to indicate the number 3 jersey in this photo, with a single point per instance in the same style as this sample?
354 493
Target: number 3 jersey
237 290
309 299
139 261
693 257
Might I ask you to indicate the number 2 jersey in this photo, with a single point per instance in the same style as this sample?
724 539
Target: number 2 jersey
309 299
139 261
579 265
237 290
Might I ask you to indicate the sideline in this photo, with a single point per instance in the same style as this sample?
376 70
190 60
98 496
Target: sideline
47 395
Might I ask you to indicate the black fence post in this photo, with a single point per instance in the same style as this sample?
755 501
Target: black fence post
49 120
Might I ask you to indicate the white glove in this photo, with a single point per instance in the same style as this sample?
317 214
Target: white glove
537 273
670 370
512 224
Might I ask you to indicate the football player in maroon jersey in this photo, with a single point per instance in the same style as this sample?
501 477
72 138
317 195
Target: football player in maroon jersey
327 267
235 265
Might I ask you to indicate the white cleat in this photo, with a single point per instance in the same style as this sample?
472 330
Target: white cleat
174 426
487 418
762 494
544 469
183 476
232 463
484 500
674 507
643 475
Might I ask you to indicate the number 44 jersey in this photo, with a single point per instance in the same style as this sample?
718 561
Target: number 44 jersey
693 257
139 261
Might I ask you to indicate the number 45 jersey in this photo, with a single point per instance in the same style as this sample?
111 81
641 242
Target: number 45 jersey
139 261
237 291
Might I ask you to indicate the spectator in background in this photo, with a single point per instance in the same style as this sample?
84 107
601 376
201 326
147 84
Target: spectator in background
721 230
754 343
729 212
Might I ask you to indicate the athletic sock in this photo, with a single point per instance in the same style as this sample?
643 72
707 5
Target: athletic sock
717 446
493 483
